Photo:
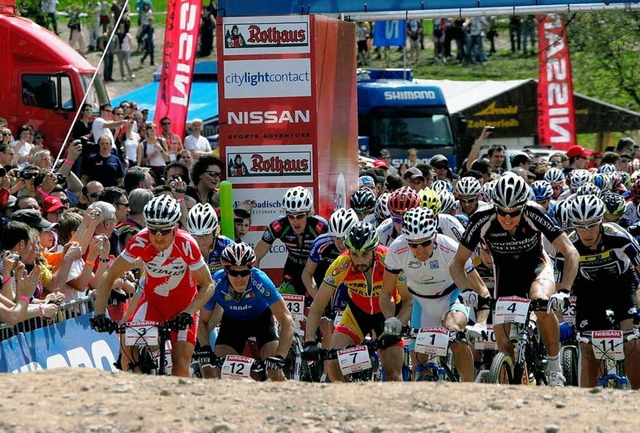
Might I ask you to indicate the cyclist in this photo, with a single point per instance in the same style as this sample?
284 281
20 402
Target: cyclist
381 209
202 224
606 280
423 256
174 268
400 201
614 206
447 224
467 190
512 229
543 191
245 301
555 177
363 201
361 270
297 230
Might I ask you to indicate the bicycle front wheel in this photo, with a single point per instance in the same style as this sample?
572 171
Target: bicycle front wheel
501 371
570 365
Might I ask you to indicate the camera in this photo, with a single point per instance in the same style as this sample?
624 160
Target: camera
491 128
88 147
60 178
174 180
3 172
26 175
95 213
14 257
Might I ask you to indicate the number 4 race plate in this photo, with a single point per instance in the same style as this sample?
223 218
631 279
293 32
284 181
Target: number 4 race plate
511 309
433 341
354 359
608 344
236 367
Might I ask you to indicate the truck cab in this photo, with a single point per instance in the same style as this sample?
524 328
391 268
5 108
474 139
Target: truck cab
45 79
398 114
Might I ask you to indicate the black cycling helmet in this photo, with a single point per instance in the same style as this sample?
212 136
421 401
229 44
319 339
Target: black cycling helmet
362 237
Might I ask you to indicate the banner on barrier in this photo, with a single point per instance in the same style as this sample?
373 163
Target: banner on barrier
71 343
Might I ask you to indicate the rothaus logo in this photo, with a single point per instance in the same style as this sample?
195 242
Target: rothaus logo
268 117
189 17
275 164
275 36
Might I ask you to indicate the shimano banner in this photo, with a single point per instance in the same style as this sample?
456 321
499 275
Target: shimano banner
71 343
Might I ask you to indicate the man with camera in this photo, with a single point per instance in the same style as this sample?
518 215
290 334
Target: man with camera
104 123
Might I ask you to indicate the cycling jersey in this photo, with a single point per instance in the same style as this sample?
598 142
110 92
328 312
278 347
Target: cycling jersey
518 258
323 252
213 261
259 295
387 232
630 215
298 251
371 219
363 295
450 226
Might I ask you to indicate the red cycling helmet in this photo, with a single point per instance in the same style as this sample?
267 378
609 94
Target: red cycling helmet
403 199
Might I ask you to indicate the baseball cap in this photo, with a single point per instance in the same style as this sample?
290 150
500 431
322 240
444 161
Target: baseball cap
52 204
379 163
439 161
144 109
366 181
412 173
577 150
32 218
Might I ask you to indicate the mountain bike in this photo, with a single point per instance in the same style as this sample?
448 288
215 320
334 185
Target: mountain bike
435 343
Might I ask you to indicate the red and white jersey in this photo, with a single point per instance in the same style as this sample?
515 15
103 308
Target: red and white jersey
168 271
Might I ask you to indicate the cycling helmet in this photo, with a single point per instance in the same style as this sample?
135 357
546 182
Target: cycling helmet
341 221
403 199
381 208
468 187
554 175
362 237
447 201
608 168
511 191
577 178
202 220
635 188
589 189
441 184
633 166
297 199
625 180
363 200
602 181
563 213
161 211
614 203
238 254
419 223
542 190
487 190
586 208
429 199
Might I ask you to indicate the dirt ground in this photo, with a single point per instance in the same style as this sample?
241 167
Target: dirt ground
95 401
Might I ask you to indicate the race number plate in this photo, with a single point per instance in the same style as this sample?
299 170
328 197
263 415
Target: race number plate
433 341
511 309
236 367
490 343
354 359
295 304
141 334
569 312
608 345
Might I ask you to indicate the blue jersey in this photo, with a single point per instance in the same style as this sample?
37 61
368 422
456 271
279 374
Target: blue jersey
213 261
261 293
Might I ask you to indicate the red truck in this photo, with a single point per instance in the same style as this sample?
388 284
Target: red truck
44 79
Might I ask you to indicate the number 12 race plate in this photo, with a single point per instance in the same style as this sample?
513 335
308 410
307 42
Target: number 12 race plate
236 367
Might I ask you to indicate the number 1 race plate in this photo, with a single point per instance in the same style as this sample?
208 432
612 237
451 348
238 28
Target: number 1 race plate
354 359
236 367
511 309
141 334
433 341
608 345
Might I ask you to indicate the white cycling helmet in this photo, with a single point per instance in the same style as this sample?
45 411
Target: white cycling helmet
542 190
577 178
468 187
297 199
381 208
487 190
419 223
607 169
586 208
341 222
161 211
511 191
202 220
442 185
554 175
589 189
563 213
447 201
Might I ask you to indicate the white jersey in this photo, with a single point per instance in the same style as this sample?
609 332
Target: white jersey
450 226
387 232
371 219
630 214
425 279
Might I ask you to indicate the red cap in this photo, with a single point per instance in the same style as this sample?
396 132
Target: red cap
379 163
577 150
52 204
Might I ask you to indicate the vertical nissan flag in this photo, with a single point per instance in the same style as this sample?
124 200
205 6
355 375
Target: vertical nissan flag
556 120
178 59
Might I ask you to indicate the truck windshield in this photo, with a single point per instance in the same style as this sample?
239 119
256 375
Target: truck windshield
97 95
412 130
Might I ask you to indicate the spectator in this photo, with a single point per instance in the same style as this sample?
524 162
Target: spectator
146 35
52 208
174 144
7 155
475 47
484 167
22 146
207 27
625 146
515 33
118 198
242 223
206 175
153 153
440 165
439 38
522 160
103 124
612 158
124 52
530 27
26 202
186 158
83 126
414 32
385 156
7 136
145 115
496 154
104 167
138 198
90 193
412 157
49 7
131 143
42 159
196 143
138 177
393 182
176 170
107 225
110 47
414 179
76 37
577 157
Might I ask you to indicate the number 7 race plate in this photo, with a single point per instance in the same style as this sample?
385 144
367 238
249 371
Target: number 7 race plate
511 309
354 359
236 367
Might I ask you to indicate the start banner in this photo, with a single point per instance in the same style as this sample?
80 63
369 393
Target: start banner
556 121
178 59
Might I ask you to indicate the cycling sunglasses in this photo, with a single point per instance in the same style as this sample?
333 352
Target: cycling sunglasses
160 232
587 227
510 214
422 244
234 273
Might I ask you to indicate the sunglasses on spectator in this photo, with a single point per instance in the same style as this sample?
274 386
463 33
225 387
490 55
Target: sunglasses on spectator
441 167
510 214
122 204
234 273
214 174
95 194
8 134
160 232
587 227
108 111
297 216
422 244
